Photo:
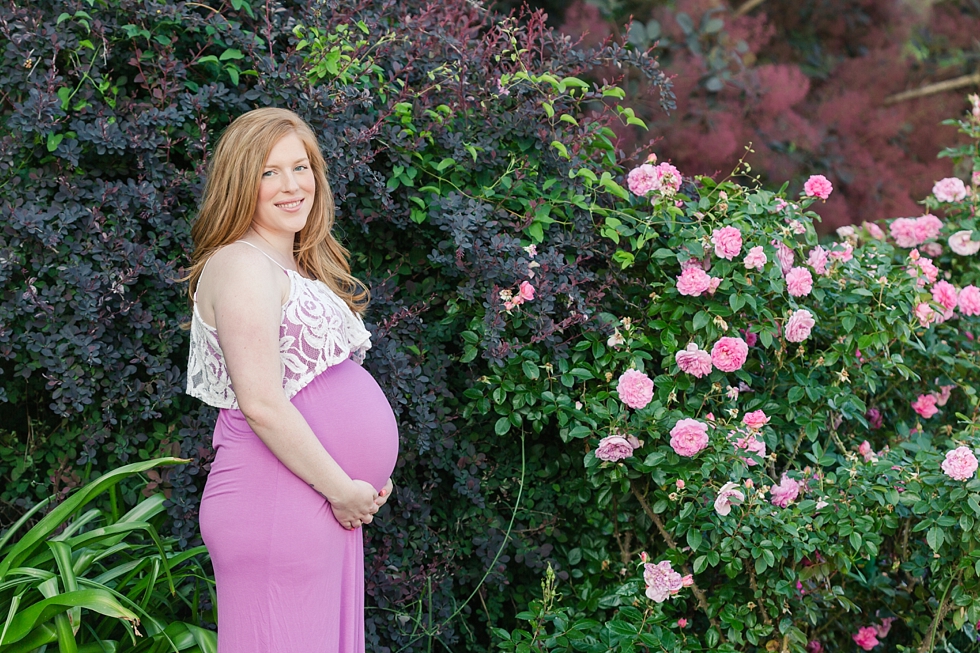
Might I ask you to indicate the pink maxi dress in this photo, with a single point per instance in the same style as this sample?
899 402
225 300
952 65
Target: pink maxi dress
290 578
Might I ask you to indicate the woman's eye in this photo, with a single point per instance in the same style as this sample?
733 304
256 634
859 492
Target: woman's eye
267 173
301 167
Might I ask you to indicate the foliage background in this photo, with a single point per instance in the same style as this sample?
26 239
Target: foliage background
440 123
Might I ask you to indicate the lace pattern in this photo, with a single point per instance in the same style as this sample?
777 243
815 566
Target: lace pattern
317 330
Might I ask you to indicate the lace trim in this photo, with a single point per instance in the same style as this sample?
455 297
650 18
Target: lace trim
317 330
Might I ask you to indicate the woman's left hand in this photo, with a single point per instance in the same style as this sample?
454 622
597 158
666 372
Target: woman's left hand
385 492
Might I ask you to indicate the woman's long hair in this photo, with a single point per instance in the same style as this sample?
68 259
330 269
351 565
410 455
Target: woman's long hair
232 190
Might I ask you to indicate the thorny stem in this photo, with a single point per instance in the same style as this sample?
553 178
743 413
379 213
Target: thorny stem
655 518
929 643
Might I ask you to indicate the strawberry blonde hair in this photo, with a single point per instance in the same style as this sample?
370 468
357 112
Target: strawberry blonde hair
232 191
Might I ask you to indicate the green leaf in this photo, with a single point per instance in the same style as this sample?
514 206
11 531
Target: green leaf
700 564
502 426
935 538
694 538
231 53
531 370
95 600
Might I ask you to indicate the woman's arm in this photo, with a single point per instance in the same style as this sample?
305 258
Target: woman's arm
246 291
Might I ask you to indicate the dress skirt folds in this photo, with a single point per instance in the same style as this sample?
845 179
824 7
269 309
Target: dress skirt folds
290 578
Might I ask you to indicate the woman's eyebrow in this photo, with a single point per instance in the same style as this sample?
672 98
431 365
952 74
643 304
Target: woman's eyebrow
305 158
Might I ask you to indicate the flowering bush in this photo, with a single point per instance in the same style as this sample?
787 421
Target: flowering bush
815 474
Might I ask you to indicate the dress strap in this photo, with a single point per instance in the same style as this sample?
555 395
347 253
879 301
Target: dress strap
264 254
201 276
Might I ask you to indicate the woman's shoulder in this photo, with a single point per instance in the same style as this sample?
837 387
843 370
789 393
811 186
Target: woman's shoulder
240 266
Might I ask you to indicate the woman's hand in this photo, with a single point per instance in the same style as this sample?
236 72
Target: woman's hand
356 506
385 494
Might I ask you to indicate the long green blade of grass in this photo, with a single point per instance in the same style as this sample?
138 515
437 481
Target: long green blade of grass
96 600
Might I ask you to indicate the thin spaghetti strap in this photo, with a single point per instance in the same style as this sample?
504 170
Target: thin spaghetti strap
264 254
201 276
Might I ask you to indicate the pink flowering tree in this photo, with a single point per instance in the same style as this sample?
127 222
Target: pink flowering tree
780 434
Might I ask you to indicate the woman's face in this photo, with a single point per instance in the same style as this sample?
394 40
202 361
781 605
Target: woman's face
286 190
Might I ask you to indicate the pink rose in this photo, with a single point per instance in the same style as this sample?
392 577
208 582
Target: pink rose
729 495
661 581
728 354
925 406
944 293
927 227
526 291
756 259
962 243
668 179
749 337
903 231
612 448
866 451
814 647
755 420
713 283
866 638
693 282
689 437
752 445
784 254
635 389
874 230
799 282
960 464
694 361
845 254
969 300
642 180
875 418
818 260
679 484
925 314
950 189
799 325
885 627
728 242
818 186
682 623
786 492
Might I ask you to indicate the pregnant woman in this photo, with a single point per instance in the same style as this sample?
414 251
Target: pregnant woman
305 441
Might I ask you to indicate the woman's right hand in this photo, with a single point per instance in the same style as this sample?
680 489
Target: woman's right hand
356 507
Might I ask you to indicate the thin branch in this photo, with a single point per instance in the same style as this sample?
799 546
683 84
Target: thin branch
655 518
747 7
932 89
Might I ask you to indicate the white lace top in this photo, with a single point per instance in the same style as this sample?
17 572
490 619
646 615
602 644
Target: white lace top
317 330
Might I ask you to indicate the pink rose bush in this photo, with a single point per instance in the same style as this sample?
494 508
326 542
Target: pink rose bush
635 389
750 444
925 405
727 242
799 282
729 495
968 301
866 637
613 448
728 354
693 282
663 178
950 189
662 581
818 186
755 259
962 243
799 325
755 420
786 492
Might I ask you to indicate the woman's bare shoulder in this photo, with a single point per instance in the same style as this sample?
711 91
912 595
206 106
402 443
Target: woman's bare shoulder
240 270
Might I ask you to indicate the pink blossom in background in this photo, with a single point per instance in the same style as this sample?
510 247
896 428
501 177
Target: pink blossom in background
975 177
753 445
969 300
781 204
727 242
661 581
612 448
961 243
885 627
694 361
526 291
532 250
643 179
925 406
925 314
844 254
866 638
635 389
695 263
749 337
933 249
874 230
903 231
866 451
799 282
729 495
713 284
755 259
944 293
847 231
929 271
943 395
784 254
786 492
616 339
960 464
693 282
679 484
634 442
814 646
682 623
799 325
668 178
796 226
818 186
818 260
689 437
729 354
755 420
875 418
731 392
927 227
950 189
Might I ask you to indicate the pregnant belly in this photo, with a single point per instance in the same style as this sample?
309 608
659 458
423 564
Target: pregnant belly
351 417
